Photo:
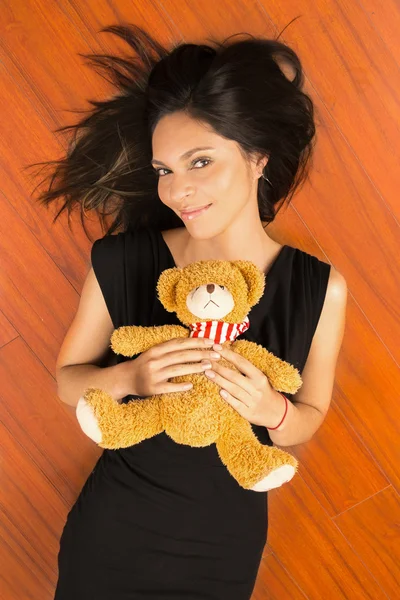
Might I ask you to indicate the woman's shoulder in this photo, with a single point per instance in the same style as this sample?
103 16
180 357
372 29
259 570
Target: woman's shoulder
304 256
313 263
333 284
117 238
320 270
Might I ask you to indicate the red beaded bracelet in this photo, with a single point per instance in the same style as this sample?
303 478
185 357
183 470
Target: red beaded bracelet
286 409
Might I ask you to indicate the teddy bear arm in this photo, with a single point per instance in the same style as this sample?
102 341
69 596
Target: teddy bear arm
134 339
283 376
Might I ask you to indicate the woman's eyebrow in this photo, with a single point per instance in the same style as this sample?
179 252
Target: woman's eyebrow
185 154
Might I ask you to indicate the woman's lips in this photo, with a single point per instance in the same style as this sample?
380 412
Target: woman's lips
188 216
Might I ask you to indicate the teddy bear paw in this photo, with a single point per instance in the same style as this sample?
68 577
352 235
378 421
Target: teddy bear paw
275 479
88 421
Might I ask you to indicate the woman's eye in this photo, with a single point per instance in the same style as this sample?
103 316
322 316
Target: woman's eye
158 171
201 160
207 160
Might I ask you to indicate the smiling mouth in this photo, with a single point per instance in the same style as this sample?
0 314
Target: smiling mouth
195 212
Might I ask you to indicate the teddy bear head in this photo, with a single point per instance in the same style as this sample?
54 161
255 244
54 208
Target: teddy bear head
211 290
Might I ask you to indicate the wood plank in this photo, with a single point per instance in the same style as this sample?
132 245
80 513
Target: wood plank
38 422
313 550
385 18
357 78
275 583
337 465
21 575
373 530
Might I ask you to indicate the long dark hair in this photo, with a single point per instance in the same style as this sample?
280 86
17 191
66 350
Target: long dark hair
238 87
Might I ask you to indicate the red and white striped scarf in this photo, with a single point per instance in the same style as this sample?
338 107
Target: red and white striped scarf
218 330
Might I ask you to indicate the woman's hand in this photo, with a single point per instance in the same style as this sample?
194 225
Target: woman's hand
249 391
148 374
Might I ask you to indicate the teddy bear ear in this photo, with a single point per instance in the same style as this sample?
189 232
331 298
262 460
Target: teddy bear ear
254 278
166 288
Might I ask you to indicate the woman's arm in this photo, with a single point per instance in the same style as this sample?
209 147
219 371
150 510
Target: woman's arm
73 380
312 401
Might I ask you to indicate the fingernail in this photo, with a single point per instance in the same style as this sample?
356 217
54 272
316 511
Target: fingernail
217 347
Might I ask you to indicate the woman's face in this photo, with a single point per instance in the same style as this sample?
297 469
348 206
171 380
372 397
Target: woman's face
219 176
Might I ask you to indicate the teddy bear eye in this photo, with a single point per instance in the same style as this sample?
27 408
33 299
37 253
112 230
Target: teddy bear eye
222 287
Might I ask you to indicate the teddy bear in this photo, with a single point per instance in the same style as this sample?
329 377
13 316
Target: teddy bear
211 298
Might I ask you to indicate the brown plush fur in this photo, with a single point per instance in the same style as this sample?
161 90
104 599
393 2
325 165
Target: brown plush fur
198 417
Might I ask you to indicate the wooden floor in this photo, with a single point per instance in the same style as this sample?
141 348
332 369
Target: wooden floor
335 529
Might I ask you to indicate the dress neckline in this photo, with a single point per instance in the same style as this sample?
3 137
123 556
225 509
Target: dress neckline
267 274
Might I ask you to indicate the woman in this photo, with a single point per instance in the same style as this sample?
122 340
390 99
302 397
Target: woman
195 157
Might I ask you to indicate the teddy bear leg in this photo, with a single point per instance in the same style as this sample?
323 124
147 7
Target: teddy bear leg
113 425
255 466
275 479
87 420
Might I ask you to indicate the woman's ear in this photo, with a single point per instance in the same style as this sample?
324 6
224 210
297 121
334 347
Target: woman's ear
259 161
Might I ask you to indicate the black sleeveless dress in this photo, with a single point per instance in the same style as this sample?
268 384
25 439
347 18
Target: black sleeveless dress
160 520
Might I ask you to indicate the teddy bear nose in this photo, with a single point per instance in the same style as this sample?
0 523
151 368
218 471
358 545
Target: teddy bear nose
210 288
